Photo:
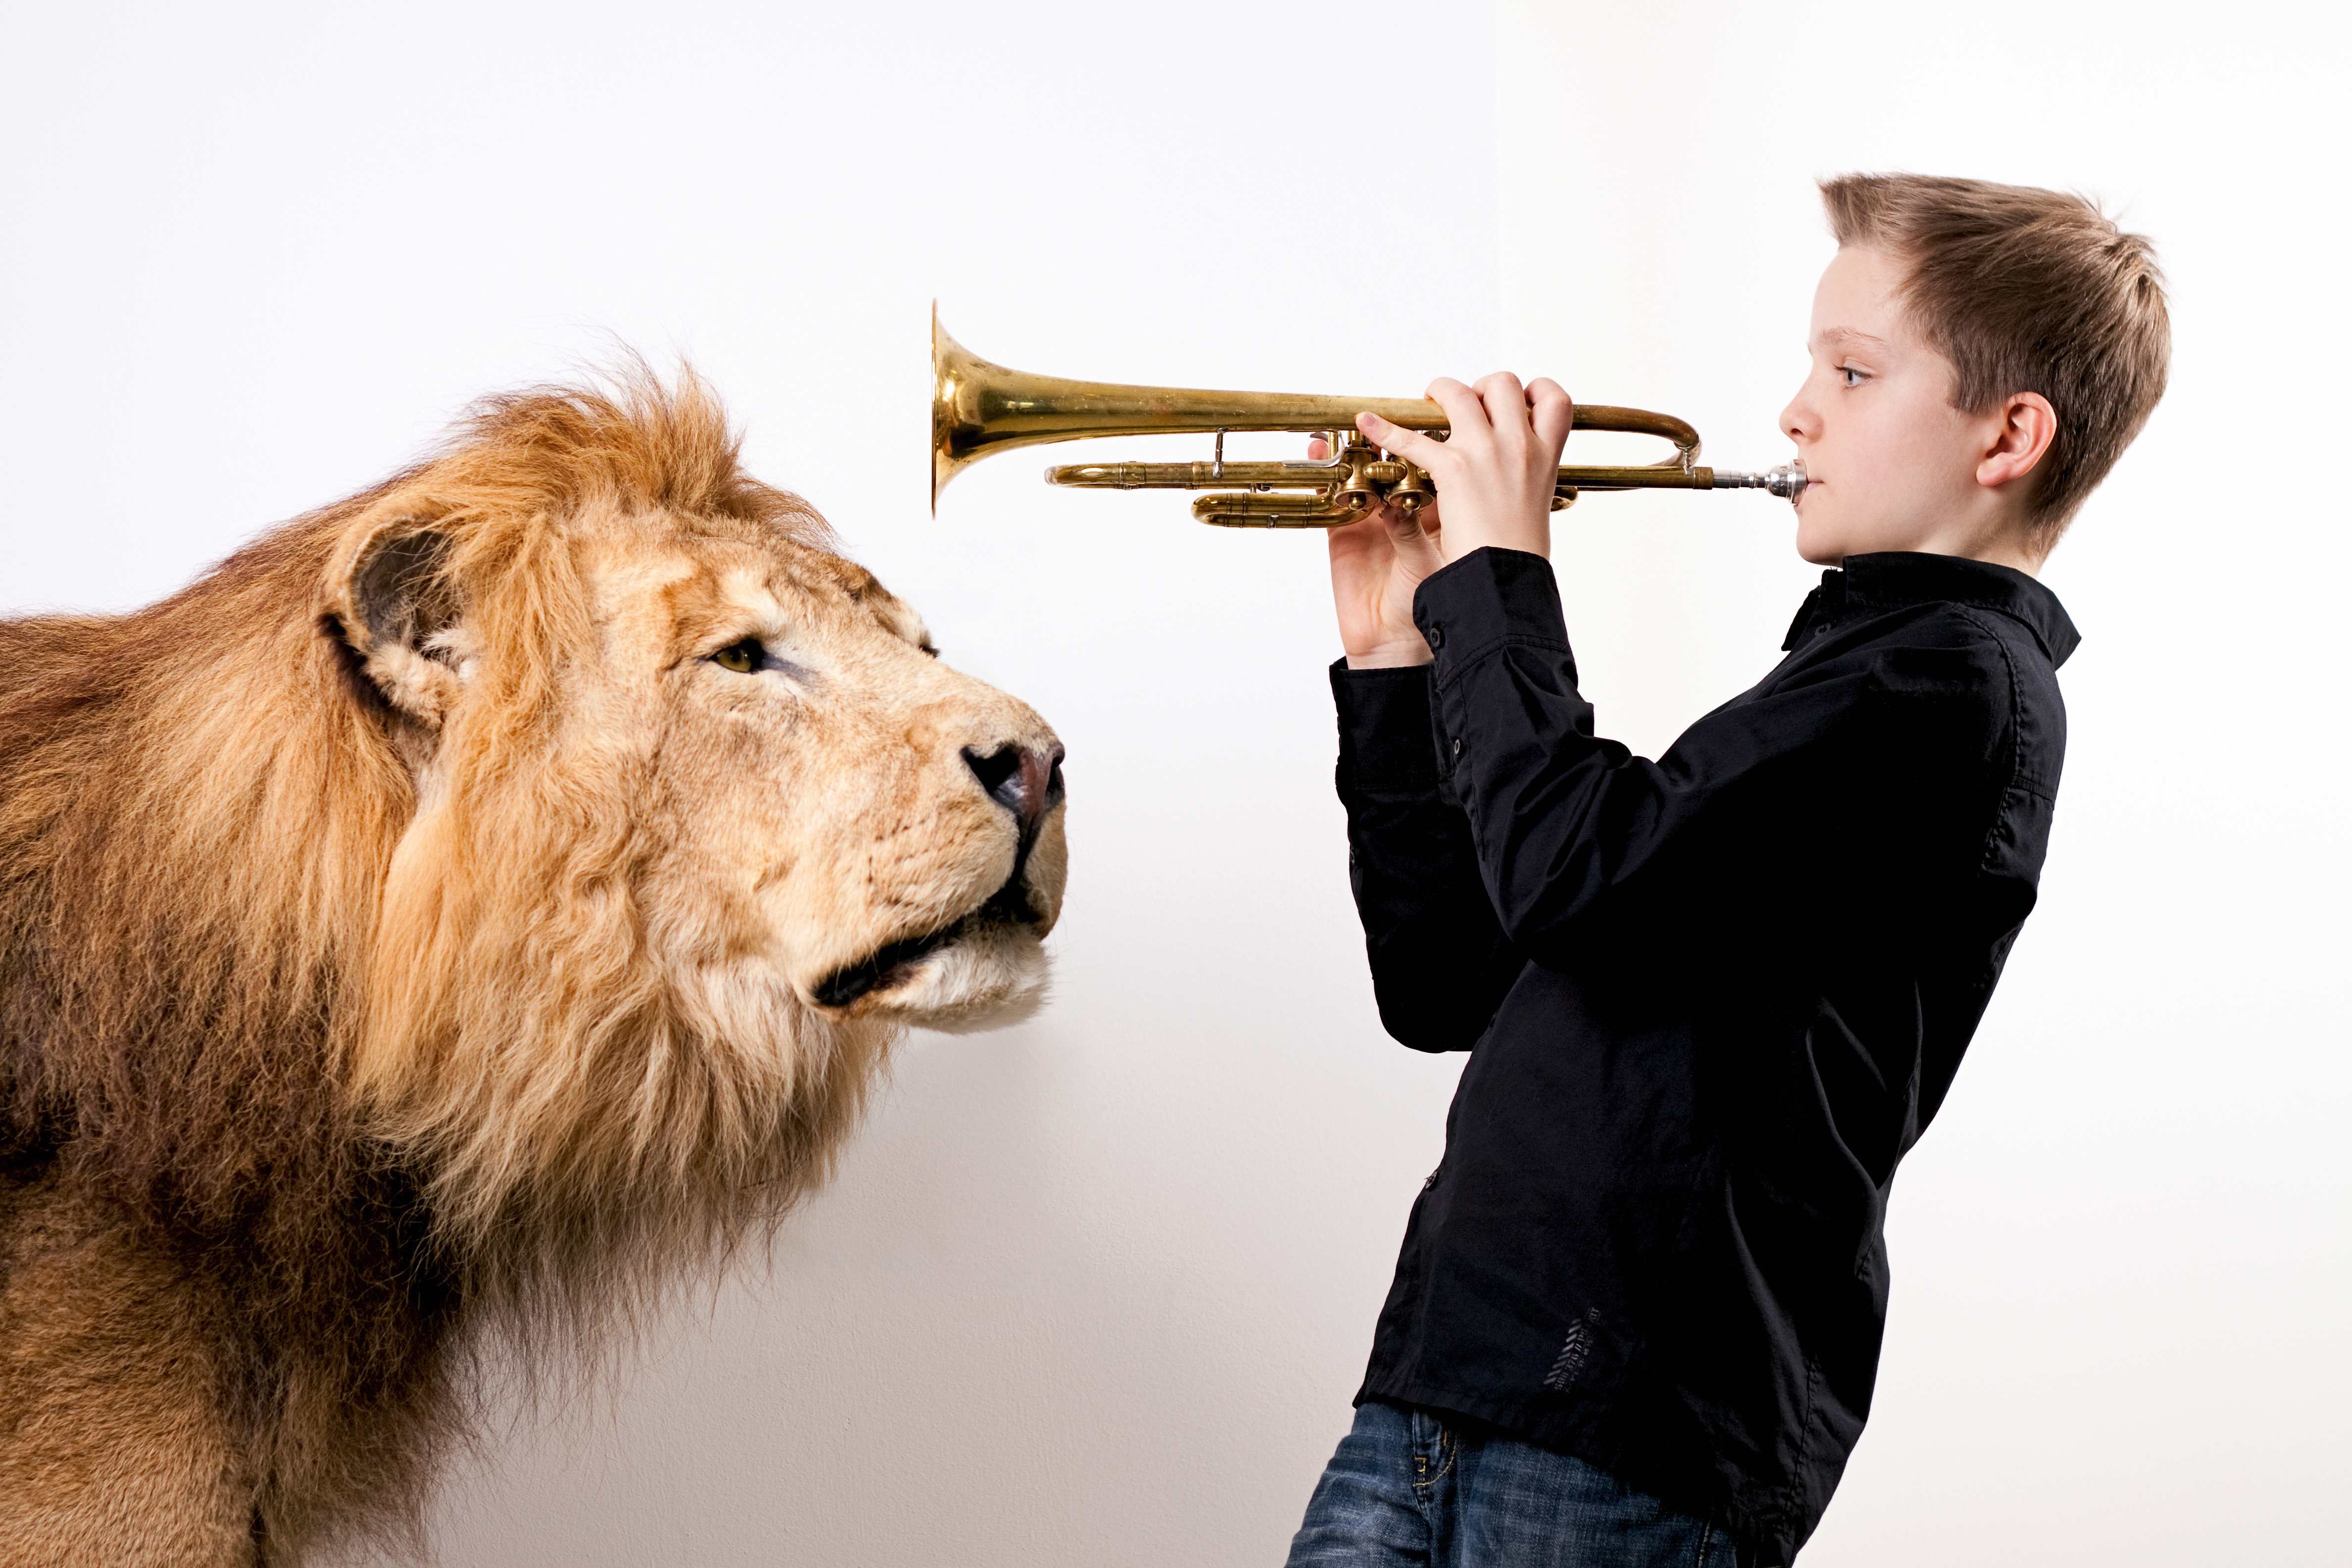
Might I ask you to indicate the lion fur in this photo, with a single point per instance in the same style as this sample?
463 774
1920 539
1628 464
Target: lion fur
304 1088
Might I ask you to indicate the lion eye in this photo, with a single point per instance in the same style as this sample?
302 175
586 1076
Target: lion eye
743 658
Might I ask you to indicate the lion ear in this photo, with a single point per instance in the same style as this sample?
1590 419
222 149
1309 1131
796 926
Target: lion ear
390 604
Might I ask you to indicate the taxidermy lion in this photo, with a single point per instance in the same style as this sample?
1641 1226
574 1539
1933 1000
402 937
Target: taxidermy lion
468 909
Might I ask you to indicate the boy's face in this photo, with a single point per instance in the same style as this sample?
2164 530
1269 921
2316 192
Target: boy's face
1890 464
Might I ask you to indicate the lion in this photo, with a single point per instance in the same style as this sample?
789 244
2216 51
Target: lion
457 919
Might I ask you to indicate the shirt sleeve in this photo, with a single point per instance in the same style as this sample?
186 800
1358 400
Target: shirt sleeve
1440 963
1815 807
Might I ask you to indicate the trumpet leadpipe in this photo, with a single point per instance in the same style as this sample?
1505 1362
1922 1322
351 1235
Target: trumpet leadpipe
1785 482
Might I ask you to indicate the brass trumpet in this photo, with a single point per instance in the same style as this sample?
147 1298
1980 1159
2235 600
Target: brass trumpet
979 409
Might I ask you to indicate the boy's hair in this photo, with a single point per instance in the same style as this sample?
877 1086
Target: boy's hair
2025 290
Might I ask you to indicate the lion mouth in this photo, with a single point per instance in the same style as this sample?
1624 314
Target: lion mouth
844 986
895 962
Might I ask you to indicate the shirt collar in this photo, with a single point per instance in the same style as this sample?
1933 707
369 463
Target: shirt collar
1895 580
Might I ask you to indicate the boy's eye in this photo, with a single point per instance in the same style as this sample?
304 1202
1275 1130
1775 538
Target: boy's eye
1853 377
743 657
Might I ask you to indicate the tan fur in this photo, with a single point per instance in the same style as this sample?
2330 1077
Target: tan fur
409 928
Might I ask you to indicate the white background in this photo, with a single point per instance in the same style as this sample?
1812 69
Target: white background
1097 1290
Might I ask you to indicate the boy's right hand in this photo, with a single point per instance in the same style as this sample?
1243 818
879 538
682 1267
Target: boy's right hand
1375 564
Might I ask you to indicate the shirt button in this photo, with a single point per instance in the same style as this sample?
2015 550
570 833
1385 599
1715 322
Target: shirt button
1457 745
1436 638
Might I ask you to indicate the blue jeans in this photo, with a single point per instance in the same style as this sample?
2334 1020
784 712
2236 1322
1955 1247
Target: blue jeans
1406 1489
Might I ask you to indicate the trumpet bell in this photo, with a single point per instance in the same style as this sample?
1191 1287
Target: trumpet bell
979 409
958 428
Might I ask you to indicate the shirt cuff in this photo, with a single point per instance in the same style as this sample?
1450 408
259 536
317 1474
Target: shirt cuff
1385 733
1484 603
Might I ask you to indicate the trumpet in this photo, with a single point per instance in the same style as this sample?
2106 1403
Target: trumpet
979 409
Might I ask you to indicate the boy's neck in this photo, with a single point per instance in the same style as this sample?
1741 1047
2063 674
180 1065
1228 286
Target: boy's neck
2005 543
2005 552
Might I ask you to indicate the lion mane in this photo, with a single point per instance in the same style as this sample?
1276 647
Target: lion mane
359 1004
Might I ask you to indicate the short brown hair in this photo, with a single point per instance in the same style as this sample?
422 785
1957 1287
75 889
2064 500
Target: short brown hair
2025 290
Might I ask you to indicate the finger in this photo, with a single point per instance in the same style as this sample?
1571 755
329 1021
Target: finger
1317 450
1410 542
1466 413
1554 412
1501 390
1507 406
1409 444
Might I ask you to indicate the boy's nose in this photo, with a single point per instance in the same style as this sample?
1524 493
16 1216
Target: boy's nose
1796 421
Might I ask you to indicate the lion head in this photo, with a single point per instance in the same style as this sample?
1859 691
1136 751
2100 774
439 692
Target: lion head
480 902
700 813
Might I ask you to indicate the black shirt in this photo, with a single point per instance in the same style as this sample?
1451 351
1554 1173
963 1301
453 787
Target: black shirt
1710 1001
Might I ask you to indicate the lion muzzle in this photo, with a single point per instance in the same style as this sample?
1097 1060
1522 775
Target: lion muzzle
1026 781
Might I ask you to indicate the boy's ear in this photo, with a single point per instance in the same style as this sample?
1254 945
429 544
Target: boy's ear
390 602
2023 437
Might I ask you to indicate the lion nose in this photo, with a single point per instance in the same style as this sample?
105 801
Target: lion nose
1024 781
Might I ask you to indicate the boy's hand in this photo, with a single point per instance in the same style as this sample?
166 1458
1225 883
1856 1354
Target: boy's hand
1375 564
1495 472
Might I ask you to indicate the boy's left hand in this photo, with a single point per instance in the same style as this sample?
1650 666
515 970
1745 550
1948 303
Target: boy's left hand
1497 471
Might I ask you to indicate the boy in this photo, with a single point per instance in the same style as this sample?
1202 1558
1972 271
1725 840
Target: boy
1711 1000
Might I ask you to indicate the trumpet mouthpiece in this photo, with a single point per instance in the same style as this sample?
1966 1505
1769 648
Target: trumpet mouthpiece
1788 483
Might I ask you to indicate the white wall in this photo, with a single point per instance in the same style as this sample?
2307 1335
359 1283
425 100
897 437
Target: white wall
2120 1259
1097 1290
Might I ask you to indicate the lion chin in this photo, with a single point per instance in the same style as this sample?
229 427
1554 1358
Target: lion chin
986 970
985 976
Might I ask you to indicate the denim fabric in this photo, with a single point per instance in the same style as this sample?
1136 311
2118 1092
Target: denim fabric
1405 1488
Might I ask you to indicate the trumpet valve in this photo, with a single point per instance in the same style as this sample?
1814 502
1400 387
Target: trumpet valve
1413 491
1358 487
